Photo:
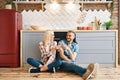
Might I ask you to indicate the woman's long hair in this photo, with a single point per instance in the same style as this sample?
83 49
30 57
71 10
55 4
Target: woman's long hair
47 36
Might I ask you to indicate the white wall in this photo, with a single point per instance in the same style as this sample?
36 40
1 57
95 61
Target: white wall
63 17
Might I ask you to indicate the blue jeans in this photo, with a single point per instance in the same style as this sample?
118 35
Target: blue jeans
71 67
35 63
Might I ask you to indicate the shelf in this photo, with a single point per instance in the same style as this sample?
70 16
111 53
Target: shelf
29 5
91 2
39 5
62 1
86 5
28 2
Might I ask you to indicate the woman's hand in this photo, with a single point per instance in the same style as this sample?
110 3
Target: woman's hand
53 50
58 47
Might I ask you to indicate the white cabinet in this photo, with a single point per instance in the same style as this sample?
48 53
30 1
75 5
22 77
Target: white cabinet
30 45
95 46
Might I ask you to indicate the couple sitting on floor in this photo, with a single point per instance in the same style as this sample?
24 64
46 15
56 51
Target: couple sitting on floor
61 56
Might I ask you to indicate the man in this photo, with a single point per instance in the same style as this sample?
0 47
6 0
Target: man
68 51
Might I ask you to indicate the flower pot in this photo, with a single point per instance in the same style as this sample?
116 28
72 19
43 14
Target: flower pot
8 6
107 28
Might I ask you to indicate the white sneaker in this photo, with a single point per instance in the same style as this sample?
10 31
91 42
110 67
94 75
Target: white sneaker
89 72
96 68
54 69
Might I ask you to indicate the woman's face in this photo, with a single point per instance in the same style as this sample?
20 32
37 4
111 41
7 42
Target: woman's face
70 36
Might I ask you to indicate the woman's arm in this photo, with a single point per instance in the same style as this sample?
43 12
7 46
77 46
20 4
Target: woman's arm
50 60
52 53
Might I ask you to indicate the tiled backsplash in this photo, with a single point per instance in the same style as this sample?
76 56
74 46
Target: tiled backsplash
63 16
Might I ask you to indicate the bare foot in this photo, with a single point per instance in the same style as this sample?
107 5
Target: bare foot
44 68
40 66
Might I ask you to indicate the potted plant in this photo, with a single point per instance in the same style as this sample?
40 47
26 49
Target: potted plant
108 24
8 4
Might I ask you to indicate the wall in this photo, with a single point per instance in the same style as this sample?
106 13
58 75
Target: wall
115 13
63 17
116 22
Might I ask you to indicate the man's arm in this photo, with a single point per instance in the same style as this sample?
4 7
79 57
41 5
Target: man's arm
61 52
72 55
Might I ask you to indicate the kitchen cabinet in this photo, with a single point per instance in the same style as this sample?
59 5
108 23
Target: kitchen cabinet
29 5
95 5
96 46
30 45
10 26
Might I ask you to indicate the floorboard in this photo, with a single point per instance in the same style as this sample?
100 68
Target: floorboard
23 74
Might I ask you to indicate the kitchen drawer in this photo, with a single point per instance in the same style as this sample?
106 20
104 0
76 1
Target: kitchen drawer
95 34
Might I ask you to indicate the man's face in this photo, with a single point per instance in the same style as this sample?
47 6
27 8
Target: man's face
70 36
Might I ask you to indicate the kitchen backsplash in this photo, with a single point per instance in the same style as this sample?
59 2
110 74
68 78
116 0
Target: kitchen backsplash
62 17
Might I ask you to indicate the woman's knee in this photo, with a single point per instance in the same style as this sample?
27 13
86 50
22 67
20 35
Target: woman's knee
29 60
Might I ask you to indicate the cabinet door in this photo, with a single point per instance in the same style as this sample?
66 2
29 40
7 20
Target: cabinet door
8 32
30 45
96 47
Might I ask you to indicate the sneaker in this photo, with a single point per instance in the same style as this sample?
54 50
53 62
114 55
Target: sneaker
92 77
34 70
95 70
89 72
54 70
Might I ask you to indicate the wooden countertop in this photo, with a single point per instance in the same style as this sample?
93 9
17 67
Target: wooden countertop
68 30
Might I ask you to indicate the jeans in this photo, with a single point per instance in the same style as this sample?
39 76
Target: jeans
71 67
35 63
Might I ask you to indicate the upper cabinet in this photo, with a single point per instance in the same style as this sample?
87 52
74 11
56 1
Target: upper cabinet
21 5
29 5
63 1
86 5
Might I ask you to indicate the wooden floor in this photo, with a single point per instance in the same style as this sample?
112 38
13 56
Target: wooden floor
22 74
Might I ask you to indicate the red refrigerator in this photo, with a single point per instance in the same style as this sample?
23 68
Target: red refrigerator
10 25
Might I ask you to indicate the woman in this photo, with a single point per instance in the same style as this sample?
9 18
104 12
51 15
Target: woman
48 49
